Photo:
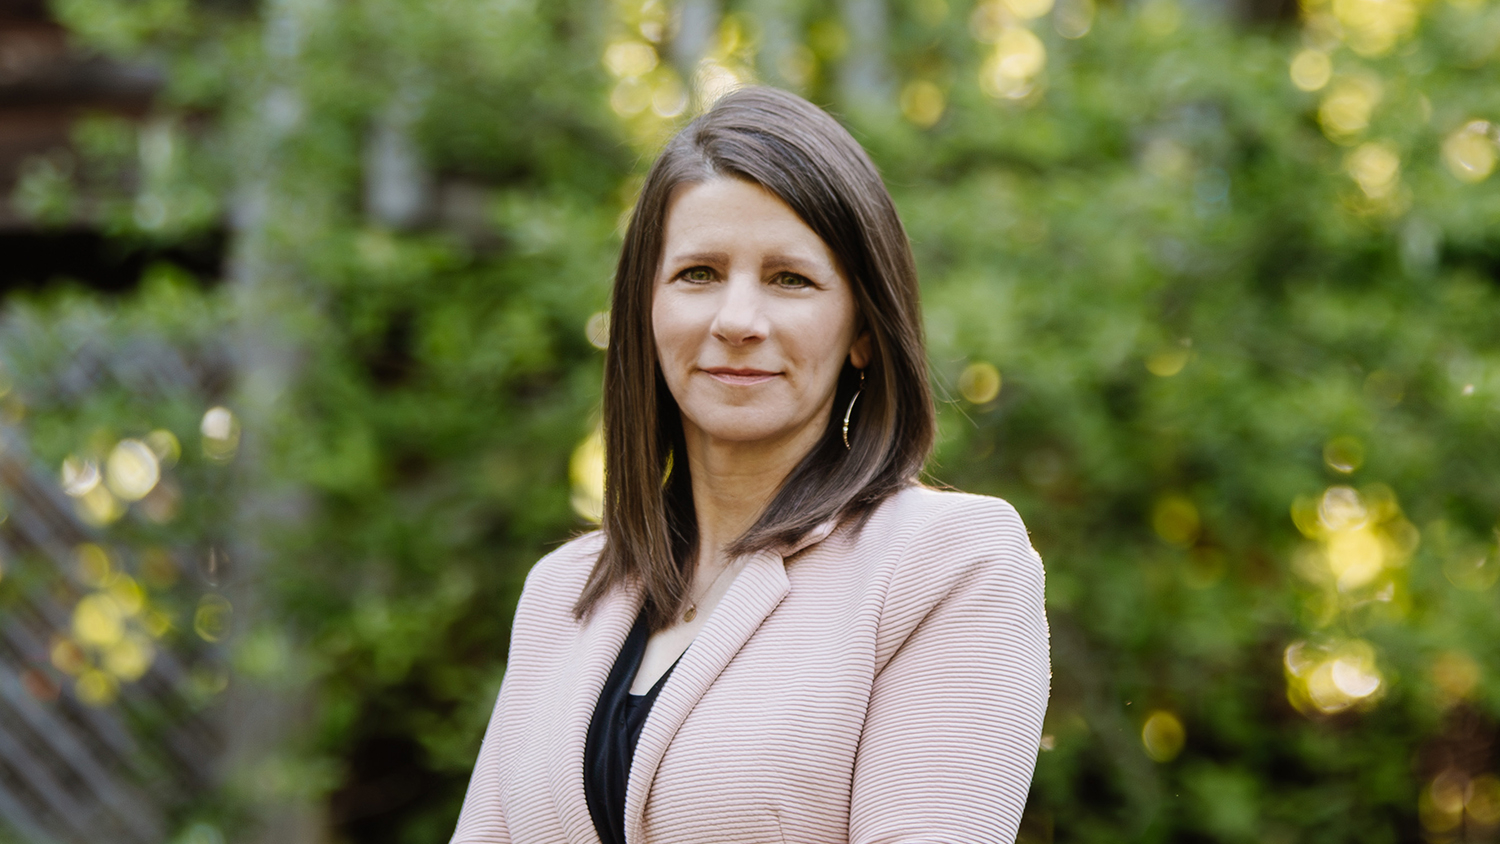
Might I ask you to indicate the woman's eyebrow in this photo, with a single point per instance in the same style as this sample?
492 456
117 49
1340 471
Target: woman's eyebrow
699 258
792 263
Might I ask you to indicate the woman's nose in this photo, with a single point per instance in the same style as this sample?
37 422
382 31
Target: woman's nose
741 316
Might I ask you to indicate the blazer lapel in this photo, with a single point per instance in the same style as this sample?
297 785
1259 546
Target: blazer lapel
593 652
756 591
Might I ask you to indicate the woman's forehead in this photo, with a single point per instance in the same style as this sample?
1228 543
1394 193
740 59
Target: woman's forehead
715 218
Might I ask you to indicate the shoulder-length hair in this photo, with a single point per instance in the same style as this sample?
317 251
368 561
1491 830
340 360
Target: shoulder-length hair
795 150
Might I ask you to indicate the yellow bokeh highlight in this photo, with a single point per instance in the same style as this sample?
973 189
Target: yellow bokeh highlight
99 507
1373 27
96 688
597 330
1456 675
980 383
1376 167
211 619
713 80
132 470
164 445
1175 519
1482 800
221 434
129 658
1010 70
98 620
586 471
630 58
1346 109
1470 153
630 97
1361 537
1440 806
1311 70
1330 678
1355 557
1163 736
79 476
67 657
1167 362
127 594
157 623
1028 9
988 21
922 103
1344 454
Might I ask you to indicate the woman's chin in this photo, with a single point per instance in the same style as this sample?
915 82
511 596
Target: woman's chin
751 434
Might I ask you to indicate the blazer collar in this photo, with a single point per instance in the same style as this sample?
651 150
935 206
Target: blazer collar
757 590
593 653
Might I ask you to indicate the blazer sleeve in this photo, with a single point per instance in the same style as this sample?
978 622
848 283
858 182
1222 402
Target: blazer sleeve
482 820
955 715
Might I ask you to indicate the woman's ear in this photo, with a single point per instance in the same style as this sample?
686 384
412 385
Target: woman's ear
859 353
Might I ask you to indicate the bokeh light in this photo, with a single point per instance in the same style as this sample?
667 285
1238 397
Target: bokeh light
1311 70
1028 9
221 434
98 620
1331 677
164 445
132 470
1470 153
211 618
1373 27
79 476
1344 454
586 470
597 330
1168 362
979 383
1375 166
1163 736
1175 519
922 102
96 688
1456 676
1347 107
1073 19
129 657
1012 66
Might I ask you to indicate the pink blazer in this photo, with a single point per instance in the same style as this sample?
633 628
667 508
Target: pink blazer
881 685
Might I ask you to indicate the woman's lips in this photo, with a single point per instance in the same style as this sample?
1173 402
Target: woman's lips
738 377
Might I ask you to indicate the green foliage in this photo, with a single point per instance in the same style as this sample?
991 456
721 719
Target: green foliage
1218 315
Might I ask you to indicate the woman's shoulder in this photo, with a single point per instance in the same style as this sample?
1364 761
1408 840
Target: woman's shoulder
563 572
921 529
947 514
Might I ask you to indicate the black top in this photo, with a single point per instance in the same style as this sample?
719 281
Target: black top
613 733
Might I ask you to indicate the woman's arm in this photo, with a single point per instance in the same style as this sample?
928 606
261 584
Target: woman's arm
482 820
955 716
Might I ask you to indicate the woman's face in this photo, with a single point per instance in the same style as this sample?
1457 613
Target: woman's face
753 317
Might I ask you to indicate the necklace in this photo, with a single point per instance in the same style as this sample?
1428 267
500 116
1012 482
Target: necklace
692 610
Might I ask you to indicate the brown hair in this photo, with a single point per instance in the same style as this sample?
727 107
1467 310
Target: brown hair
796 151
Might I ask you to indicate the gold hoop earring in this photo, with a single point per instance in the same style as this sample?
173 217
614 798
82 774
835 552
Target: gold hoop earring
850 412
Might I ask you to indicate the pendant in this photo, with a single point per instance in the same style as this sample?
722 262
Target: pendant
692 613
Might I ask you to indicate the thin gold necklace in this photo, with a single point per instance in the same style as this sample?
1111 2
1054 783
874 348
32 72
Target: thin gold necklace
692 610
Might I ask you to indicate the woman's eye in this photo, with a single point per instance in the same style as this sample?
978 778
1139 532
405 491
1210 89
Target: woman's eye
791 280
696 274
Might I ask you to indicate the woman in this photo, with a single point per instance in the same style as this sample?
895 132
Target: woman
778 635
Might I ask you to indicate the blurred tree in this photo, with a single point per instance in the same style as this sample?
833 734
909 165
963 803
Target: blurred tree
1214 306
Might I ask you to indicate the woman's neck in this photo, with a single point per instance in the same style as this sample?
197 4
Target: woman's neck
733 483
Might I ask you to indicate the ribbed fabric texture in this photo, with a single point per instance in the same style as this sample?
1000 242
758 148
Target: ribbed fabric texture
880 686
